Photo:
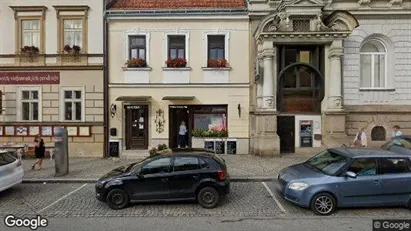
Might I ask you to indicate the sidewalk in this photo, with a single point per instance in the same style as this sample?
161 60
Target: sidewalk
240 167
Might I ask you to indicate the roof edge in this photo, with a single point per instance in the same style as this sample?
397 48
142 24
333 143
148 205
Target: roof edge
185 12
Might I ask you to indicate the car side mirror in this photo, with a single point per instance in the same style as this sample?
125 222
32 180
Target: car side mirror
350 174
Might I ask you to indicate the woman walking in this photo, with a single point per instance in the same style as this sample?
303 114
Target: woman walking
360 139
39 151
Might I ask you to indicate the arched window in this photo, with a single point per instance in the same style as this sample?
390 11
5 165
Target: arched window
373 63
378 133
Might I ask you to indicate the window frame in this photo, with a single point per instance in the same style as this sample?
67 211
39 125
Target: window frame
29 13
226 44
156 159
348 166
187 45
127 44
373 55
74 15
19 105
62 102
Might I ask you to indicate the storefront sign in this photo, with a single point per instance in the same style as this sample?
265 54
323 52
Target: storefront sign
31 78
132 107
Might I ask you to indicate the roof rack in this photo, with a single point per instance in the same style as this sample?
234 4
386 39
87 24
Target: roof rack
185 12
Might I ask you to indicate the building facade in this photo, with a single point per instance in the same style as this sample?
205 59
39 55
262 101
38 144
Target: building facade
171 62
51 73
325 69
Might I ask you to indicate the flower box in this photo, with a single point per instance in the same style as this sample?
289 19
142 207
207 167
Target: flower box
137 75
216 75
176 75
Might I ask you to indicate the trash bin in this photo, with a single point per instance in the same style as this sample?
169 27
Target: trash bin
61 161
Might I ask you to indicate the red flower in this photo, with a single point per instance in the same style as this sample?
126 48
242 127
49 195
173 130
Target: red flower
217 63
136 62
176 62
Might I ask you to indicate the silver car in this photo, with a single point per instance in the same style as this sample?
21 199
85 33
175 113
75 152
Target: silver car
348 177
11 171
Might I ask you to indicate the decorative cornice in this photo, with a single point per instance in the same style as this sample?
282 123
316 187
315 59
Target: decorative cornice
79 8
268 53
17 9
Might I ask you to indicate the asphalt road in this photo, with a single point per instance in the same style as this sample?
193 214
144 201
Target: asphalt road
250 206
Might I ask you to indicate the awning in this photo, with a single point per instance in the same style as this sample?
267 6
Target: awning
133 98
178 97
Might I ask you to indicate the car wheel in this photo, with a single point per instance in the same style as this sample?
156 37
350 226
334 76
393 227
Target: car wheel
208 197
323 204
117 199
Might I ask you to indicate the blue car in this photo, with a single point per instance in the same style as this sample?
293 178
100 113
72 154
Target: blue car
348 177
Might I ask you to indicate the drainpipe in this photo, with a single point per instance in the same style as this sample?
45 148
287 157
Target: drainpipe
105 83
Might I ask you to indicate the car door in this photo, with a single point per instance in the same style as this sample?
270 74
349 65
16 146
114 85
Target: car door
395 174
185 177
152 182
365 189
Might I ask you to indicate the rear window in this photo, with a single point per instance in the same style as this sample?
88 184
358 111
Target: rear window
6 158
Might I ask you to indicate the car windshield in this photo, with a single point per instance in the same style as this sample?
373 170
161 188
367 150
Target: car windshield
327 162
137 164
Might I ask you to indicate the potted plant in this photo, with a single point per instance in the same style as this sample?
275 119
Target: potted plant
29 52
176 62
217 63
160 149
74 50
136 63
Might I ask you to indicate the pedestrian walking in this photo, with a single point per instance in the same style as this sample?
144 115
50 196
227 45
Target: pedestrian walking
360 139
39 151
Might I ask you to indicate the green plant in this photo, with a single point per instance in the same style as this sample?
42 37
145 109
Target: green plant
158 150
209 133
176 62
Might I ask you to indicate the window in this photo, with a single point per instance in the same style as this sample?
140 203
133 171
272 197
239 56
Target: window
185 164
6 158
73 32
203 164
29 104
364 167
30 32
327 162
72 104
216 46
176 46
137 47
210 117
394 165
378 133
373 64
162 165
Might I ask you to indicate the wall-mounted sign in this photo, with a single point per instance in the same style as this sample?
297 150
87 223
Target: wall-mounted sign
17 78
132 107
178 106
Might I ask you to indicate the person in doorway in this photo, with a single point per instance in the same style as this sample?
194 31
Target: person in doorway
39 151
360 139
182 135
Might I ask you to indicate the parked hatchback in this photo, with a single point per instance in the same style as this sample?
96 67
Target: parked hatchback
11 171
348 177
202 177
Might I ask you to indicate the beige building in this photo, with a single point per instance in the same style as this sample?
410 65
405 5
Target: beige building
324 70
51 73
149 98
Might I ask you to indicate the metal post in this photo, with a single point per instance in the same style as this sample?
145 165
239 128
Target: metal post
61 155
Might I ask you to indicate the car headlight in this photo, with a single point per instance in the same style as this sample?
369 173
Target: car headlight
299 186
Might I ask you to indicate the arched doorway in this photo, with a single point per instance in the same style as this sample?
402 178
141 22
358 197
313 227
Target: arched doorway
300 89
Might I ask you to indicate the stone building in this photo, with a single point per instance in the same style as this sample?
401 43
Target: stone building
325 69
150 98
51 73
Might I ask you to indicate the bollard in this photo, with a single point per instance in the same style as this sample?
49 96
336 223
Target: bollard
61 161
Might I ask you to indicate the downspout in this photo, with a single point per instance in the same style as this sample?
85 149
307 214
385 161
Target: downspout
105 83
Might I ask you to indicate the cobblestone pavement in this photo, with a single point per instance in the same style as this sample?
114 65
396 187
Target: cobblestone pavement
247 200
238 166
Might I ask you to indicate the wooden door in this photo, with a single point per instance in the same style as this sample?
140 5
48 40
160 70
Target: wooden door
137 126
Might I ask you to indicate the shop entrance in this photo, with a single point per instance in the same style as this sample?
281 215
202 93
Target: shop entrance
177 114
136 126
286 130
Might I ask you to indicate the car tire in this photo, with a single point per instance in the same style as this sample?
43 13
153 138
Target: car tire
323 204
208 197
117 199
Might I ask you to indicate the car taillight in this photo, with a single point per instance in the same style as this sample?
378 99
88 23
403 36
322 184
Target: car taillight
221 174
18 163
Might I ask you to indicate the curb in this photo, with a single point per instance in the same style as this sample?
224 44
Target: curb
91 180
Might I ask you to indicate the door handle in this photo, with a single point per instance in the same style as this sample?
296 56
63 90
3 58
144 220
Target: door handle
377 181
164 180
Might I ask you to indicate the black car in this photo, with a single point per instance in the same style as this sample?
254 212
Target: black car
399 144
174 177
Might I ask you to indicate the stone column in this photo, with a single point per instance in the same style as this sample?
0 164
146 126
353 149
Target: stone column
259 82
335 114
335 90
269 99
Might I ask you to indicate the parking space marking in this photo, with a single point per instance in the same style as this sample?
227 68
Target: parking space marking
274 198
61 198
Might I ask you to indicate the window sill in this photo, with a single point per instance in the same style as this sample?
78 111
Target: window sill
137 68
176 68
377 89
216 68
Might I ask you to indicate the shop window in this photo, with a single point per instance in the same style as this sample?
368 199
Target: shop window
378 133
210 117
